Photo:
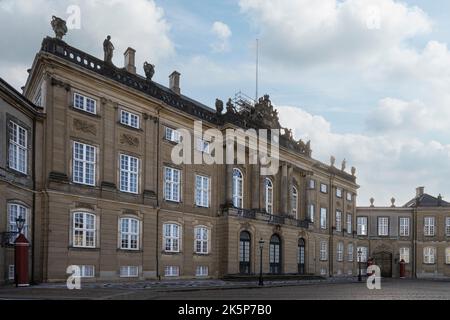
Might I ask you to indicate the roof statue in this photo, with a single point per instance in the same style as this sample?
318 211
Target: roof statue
219 106
108 49
149 70
59 27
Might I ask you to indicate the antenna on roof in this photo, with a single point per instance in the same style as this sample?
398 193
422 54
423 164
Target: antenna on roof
257 69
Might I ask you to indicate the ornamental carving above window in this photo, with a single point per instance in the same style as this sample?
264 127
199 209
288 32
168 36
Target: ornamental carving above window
85 126
130 140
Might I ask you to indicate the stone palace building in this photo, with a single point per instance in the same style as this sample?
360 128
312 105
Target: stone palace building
88 163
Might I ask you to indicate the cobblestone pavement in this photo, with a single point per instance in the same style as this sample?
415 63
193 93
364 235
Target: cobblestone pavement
330 289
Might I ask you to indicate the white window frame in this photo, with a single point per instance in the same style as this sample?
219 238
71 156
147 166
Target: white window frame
311 211
85 230
172 135
362 225
364 254
201 271
338 220
312 184
404 254
447 255
349 222
132 234
11 272
128 118
323 251
18 148
404 226
339 192
203 146
202 185
323 218
268 187
429 255
429 226
129 272
340 252
84 163
171 271
383 226
350 252
323 188
238 184
129 173
16 210
172 187
201 243
349 196
84 271
294 202
447 226
172 237
84 107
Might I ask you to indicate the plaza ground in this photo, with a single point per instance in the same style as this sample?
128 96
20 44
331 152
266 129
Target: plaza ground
392 289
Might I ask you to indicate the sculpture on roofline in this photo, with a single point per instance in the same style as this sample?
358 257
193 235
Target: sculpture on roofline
230 107
149 70
59 27
108 49
219 106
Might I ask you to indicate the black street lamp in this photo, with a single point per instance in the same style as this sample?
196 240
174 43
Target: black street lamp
20 223
359 265
261 247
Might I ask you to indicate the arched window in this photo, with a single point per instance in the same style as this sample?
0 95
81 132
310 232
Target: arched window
201 240
238 190
84 230
429 255
244 252
129 234
301 256
269 196
171 233
16 211
275 254
294 202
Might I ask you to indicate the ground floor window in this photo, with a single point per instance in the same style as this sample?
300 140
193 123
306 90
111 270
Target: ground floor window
172 271
201 271
129 272
11 272
244 252
87 271
275 254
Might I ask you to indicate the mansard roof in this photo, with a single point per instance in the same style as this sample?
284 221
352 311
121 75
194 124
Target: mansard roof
426 200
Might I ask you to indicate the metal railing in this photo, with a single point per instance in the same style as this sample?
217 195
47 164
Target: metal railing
7 239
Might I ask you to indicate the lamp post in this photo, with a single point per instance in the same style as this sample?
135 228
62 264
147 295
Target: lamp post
20 223
359 265
261 247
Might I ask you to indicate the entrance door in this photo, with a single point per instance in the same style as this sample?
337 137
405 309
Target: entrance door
244 252
301 256
275 254
384 261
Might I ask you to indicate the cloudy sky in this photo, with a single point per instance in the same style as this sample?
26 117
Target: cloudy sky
365 80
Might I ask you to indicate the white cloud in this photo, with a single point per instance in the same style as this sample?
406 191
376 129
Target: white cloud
222 33
386 166
140 25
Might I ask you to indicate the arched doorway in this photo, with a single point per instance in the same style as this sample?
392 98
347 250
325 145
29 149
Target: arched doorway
244 252
384 261
301 256
275 254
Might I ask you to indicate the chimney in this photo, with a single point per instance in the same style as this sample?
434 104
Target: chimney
420 191
130 64
174 82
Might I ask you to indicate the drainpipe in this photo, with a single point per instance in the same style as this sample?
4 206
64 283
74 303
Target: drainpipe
158 156
33 223
330 227
414 260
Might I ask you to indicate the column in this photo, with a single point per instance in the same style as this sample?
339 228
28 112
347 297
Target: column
289 191
229 184
255 187
283 190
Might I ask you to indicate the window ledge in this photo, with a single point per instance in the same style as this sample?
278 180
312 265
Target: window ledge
93 115
168 253
129 250
140 130
72 248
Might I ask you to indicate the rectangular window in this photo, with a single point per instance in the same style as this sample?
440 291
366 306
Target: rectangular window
349 223
447 255
84 162
349 196
84 103
383 226
323 188
129 119
18 148
429 255
350 253
323 271
87 271
172 271
404 227
202 191
129 174
38 98
201 240
339 192
323 218
311 212
11 272
83 230
338 221
312 184
404 254
201 271
172 179
447 226
171 237
129 234
340 252
14 212
203 146
323 251
172 135
362 254
129 272
362 226
429 226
